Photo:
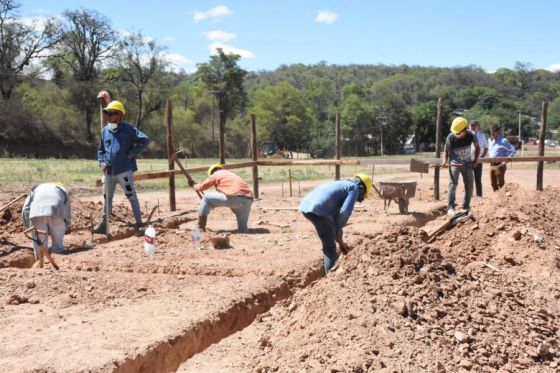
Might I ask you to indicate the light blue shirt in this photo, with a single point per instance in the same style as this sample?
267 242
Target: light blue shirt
500 147
333 200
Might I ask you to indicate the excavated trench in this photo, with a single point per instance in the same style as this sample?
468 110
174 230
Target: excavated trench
167 355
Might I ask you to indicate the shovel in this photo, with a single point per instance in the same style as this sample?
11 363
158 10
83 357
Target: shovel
189 178
423 167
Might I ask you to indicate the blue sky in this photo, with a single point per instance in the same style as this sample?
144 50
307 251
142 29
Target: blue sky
490 34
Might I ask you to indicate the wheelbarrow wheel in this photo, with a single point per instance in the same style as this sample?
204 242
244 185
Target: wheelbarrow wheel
403 206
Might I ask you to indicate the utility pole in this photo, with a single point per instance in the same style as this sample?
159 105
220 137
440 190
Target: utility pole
383 119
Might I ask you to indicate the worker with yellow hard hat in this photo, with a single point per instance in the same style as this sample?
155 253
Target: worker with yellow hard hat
119 146
457 156
329 206
231 191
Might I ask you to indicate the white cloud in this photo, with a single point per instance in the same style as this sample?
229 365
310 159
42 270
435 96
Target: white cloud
228 49
553 68
326 17
217 35
169 39
37 23
218 12
178 61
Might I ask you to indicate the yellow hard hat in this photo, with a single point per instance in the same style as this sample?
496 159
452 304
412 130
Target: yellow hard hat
115 105
214 167
459 125
366 179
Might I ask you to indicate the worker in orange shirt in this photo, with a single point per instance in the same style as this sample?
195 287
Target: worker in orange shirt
231 192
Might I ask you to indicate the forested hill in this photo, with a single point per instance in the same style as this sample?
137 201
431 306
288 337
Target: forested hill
52 71
294 105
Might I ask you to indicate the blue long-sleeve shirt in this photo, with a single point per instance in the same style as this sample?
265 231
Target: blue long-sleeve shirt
333 200
500 147
119 149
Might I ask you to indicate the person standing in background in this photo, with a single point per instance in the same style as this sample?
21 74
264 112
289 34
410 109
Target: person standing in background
483 144
498 147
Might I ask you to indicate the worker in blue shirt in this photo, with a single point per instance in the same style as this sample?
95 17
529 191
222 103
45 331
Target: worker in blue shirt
119 146
498 147
328 208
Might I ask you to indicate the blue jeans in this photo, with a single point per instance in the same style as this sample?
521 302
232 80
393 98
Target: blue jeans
327 233
126 181
241 206
468 178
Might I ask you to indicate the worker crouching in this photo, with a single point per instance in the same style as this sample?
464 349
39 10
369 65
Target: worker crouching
328 208
232 192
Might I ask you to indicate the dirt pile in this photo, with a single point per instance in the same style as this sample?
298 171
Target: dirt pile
482 297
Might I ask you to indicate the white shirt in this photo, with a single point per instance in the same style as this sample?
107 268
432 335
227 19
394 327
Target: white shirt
481 142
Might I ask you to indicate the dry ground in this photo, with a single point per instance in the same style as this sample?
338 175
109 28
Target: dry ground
482 297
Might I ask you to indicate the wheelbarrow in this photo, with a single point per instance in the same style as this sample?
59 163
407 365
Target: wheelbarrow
400 192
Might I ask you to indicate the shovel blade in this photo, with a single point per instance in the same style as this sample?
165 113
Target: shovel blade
419 166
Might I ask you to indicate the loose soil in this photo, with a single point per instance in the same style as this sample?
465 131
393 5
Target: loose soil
481 297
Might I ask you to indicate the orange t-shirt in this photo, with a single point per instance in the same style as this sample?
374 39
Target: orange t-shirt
226 182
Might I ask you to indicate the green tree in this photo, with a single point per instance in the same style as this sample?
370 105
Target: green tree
224 78
20 45
141 64
86 38
282 116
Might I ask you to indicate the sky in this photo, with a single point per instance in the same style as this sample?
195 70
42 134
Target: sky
490 34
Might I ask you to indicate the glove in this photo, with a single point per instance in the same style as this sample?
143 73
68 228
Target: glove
104 167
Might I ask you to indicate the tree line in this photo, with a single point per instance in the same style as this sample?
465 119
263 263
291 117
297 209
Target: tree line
51 72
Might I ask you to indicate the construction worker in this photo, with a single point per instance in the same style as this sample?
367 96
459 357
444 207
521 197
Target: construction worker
232 192
328 208
119 146
48 208
483 144
457 156
498 146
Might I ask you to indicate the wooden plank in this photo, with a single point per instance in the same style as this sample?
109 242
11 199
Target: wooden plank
162 174
326 162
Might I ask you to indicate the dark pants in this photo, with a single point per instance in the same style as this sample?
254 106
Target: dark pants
327 233
478 179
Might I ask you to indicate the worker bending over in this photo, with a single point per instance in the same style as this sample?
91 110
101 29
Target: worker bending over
47 208
328 208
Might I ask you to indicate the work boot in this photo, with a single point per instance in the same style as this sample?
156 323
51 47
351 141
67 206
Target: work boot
202 222
138 231
100 228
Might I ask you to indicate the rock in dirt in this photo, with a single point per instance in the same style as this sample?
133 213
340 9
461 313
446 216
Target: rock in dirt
516 235
15 300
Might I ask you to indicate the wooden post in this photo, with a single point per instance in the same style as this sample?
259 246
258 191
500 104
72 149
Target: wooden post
542 134
337 145
171 163
290 180
438 147
254 156
222 131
